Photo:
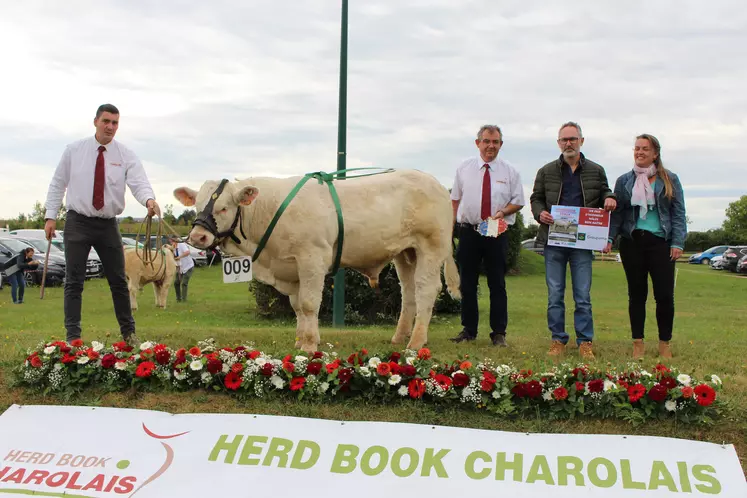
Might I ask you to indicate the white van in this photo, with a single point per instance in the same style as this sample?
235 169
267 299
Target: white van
35 233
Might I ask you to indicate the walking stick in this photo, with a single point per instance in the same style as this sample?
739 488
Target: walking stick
46 265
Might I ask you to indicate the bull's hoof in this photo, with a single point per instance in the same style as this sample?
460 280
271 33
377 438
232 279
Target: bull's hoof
415 345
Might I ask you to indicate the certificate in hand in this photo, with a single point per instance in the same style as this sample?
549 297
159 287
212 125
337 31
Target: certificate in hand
579 227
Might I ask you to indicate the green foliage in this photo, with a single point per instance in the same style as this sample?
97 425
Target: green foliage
514 233
736 218
363 305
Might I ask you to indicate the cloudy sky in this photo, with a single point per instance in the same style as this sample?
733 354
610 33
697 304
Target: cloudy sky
237 88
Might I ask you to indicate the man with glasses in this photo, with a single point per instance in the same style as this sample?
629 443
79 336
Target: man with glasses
485 187
570 180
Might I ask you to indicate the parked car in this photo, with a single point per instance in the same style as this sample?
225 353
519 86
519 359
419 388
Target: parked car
531 245
717 263
732 255
128 242
742 265
94 268
705 257
10 247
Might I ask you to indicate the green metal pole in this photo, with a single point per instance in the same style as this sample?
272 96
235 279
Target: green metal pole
338 294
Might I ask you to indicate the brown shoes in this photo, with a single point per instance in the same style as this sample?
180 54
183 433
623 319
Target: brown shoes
557 348
585 351
638 349
664 350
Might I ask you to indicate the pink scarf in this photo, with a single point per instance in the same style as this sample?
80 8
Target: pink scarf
643 192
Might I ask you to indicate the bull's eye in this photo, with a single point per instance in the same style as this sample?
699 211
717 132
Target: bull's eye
223 211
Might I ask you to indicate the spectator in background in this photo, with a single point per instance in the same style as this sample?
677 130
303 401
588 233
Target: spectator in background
186 266
14 269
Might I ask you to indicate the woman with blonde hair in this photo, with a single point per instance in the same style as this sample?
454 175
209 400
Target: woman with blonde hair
651 222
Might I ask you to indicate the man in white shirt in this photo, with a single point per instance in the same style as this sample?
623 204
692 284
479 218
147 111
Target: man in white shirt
94 172
186 266
484 187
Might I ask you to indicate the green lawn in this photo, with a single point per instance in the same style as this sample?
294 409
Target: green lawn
710 337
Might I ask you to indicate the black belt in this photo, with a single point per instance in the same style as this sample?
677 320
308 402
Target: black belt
467 225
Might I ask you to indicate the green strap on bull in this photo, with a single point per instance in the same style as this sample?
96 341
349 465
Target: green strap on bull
321 177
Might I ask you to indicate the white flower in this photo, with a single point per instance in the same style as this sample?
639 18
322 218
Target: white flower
120 365
205 377
323 387
374 362
96 345
301 358
547 396
394 380
684 379
365 372
49 350
608 384
83 360
57 367
226 368
645 373
402 391
716 379
505 391
146 345
467 392
179 375
670 405
496 394
260 361
457 372
410 360
276 381
196 365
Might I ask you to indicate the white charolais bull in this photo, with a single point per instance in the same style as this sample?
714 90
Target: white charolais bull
161 273
405 216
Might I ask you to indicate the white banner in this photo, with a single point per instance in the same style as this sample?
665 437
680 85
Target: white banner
98 452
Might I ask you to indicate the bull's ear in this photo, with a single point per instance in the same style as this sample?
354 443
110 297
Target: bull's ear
246 195
186 196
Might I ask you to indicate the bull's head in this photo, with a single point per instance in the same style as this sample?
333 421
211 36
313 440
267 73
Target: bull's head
218 206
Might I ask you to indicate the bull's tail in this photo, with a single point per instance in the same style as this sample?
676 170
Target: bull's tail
451 275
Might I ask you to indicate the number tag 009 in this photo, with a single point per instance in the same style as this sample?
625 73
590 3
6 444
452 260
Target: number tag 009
237 269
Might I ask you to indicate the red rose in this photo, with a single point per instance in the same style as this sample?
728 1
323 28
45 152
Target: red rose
267 369
416 388
145 369
596 386
254 354
519 390
194 351
214 366
424 354
68 358
92 355
657 393
662 369
488 381
331 367
395 367
345 374
622 383
318 355
355 359
364 351
108 360
76 343
287 358
163 356
122 347
395 356
488 376
227 349
288 366
533 389
314 368
461 380
58 344
580 387
706 394
687 392
443 381
383 369
579 373
65 349
159 347
668 382
237 368
36 362
560 393
232 381
297 383
408 370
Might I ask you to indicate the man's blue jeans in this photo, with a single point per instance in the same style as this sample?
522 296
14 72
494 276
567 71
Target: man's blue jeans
556 262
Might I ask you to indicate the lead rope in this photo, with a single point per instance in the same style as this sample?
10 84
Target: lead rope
147 254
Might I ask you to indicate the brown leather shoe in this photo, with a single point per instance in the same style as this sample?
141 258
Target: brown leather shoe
557 348
638 349
585 351
664 350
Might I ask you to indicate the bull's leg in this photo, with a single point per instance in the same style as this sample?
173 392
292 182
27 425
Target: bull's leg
157 294
311 283
427 286
291 290
133 294
406 272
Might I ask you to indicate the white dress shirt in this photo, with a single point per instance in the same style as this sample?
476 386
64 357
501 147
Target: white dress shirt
505 188
185 264
75 174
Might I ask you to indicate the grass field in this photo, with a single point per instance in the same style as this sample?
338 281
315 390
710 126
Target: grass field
710 337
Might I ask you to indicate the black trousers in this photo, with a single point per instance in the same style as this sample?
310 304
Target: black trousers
643 255
82 233
473 250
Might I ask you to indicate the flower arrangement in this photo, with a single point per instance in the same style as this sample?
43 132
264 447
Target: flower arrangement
564 391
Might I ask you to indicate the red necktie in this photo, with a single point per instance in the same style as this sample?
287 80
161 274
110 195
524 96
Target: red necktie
485 211
99 178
